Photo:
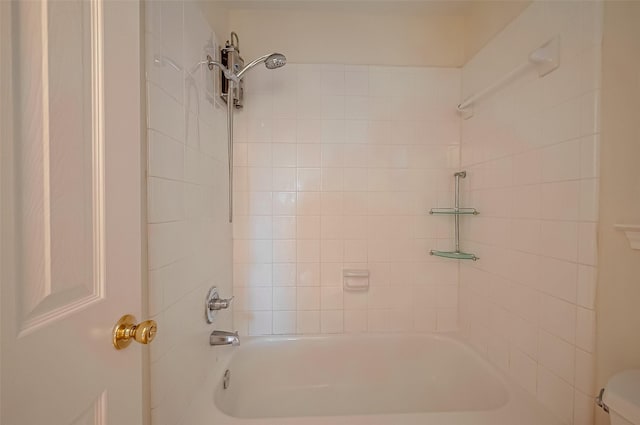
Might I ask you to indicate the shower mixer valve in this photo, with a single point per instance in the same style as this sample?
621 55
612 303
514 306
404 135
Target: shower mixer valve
214 303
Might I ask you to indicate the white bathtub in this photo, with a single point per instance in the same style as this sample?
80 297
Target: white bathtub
365 379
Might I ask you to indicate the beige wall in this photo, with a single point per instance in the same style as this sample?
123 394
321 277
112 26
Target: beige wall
618 299
217 15
445 34
351 37
484 19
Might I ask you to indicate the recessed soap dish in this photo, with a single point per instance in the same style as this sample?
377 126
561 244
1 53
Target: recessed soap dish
355 279
632 231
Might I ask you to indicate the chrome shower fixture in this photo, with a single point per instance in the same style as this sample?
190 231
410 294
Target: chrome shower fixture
225 71
276 60
271 61
233 70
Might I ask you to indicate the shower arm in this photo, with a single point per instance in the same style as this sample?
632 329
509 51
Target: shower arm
227 73
251 64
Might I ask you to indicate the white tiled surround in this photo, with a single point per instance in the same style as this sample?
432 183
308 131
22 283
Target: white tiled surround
336 167
189 242
531 152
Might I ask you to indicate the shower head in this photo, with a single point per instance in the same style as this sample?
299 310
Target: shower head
275 60
271 61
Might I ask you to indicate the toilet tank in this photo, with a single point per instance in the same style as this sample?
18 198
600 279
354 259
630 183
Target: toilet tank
622 397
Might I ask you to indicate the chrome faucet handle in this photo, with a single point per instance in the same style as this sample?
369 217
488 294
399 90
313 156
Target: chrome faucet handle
214 303
220 303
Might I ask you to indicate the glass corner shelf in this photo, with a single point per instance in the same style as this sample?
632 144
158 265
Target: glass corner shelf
454 254
453 211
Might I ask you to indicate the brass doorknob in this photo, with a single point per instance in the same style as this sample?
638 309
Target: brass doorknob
127 330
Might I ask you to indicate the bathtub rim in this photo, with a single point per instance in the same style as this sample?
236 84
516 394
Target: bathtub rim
518 400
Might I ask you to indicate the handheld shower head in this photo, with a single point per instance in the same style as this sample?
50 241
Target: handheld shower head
271 61
275 60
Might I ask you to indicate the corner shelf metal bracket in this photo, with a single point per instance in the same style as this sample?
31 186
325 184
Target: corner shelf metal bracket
456 211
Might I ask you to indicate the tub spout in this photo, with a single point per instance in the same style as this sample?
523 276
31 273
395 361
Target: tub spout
224 338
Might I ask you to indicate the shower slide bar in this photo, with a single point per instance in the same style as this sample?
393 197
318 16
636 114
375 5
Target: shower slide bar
234 76
545 58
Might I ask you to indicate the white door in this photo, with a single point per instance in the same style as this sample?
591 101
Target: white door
70 158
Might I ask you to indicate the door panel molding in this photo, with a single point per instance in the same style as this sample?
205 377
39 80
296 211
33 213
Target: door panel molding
44 299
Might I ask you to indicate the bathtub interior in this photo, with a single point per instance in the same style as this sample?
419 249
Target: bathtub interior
341 376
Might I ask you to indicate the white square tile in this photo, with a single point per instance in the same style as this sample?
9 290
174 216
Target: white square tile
283 155
308 322
308 155
260 203
166 200
166 156
308 274
284 227
332 155
331 321
558 278
308 203
308 251
308 227
356 83
284 203
587 279
331 298
425 320
558 356
259 179
355 321
331 227
586 330
284 251
565 196
587 248
331 274
331 203
332 179
589 200
284 274
523 369
447 320
583 409
332 250
355 251
585 372
560 239
308 179
284 298
333 131
284 179
259 154
308 298
355 301
555 394
260 323
284 322
558 318
589 157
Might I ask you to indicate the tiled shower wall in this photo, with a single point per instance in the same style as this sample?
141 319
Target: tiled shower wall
336 167
531 152
189 241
